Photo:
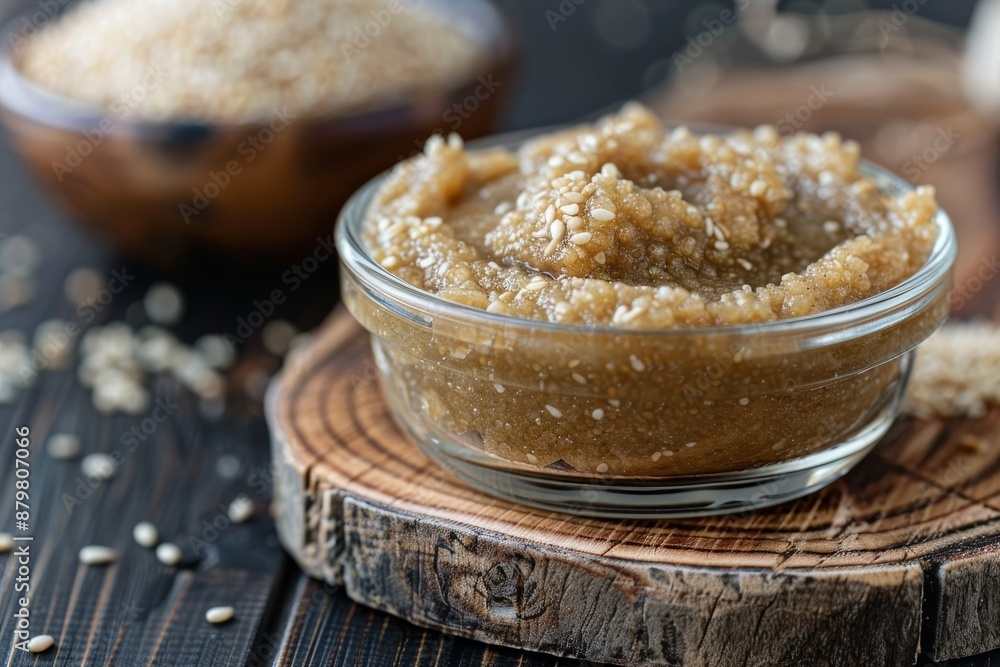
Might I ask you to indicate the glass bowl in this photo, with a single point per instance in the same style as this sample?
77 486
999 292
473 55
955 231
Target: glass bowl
613 422
161 189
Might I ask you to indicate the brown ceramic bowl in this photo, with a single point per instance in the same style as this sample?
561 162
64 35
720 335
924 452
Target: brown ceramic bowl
159 190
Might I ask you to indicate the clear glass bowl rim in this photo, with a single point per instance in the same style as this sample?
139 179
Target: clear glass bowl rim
832 326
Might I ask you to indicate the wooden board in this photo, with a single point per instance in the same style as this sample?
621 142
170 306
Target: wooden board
900 557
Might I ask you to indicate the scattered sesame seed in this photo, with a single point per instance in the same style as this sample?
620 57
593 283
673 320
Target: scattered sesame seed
499 387
581 239
532 458
97 555
63 446
600 258
757 188
744 401
99 466
602 215
831 226
164 304
579 378
240 509
614 402
637 363
554 411
610 170
570 209
656 456
574 198
721 245
744 263
145 534
597 414
169 554
277 336
690 444
219 614
602 467
40 643
550 214
6 542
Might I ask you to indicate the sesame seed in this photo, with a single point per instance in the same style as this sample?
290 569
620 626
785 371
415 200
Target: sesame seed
164 304
434 222
554 411
98 466
535 284
581 239
614 402
499 387
602 467
63 446
97 555
570 209
390 262
602 215
656 456
831 226
574 223
6 542
574 197
532 458
690 444
145 534
744 263
597 414
277 336
550 214
744 401
219 614
600 258
721 245
169 554
240 509
610 170
502 208
40 643
757 188
558 229
637 363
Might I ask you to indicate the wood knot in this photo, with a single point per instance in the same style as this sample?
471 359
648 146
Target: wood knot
504 583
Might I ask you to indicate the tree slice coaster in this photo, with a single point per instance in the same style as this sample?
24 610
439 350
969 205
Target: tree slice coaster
900 557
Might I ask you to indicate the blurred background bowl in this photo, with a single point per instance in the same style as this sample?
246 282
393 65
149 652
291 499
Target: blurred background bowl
162 191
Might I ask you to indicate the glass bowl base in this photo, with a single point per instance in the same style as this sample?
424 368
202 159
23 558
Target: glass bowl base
680 497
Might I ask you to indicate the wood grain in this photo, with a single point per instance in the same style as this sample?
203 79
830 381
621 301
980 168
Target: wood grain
896 559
